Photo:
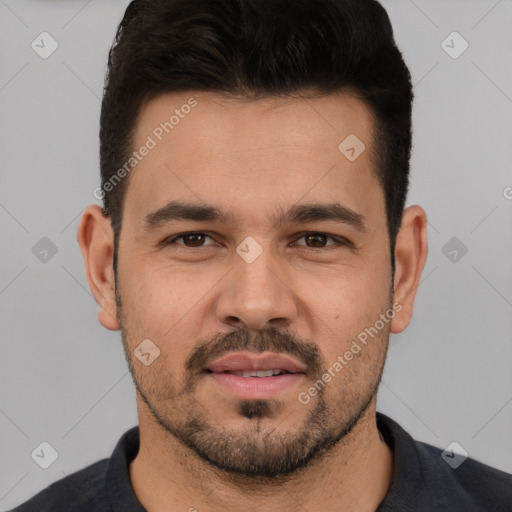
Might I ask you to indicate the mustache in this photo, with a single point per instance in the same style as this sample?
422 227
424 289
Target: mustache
269 340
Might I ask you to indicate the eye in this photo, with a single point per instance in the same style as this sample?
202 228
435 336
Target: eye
190 240
319 240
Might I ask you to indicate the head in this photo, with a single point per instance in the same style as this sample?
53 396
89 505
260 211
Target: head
270 129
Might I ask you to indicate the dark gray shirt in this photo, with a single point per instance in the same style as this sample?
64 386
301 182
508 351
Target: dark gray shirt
422 481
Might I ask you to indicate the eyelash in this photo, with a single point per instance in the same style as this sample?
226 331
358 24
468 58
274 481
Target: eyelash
339 242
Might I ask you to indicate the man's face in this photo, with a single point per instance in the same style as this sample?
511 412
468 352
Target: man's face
245 293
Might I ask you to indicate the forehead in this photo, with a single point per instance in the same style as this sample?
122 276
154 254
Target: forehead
218 150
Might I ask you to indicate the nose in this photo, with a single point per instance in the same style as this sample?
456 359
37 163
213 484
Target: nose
257 295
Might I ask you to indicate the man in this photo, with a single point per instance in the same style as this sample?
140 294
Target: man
255 253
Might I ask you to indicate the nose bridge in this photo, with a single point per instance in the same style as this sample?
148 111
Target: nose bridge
255 272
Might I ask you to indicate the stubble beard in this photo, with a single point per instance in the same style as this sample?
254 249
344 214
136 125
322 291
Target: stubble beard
257 451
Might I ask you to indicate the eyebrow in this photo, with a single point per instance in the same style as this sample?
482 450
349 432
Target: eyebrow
297 214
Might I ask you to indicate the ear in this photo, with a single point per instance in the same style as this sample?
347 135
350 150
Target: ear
411 251
96 240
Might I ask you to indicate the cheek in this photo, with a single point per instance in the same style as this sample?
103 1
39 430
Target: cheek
162 295
344 299
344 309
164 305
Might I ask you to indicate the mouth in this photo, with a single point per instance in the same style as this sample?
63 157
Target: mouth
248 375
257 373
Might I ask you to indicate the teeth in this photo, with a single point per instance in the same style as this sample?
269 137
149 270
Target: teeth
254 373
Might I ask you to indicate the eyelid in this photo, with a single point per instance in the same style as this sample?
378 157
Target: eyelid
339 241
171 239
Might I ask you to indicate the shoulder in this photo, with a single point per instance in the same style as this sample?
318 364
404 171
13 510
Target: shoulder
472 482
95 487
75 493
427 478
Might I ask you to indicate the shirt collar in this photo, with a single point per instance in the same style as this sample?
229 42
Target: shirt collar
120 494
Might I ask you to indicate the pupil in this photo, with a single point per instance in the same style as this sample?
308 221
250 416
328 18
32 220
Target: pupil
317 236
198 239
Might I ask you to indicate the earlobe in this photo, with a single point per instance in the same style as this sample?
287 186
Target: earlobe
410 255
96 240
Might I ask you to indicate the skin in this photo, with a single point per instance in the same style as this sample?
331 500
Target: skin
249 157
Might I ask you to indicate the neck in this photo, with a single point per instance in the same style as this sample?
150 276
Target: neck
354 476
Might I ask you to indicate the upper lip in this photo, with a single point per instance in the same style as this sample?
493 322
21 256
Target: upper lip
247 361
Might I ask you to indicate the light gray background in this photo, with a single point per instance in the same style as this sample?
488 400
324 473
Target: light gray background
63 377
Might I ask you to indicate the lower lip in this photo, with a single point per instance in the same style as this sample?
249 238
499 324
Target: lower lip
255 388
